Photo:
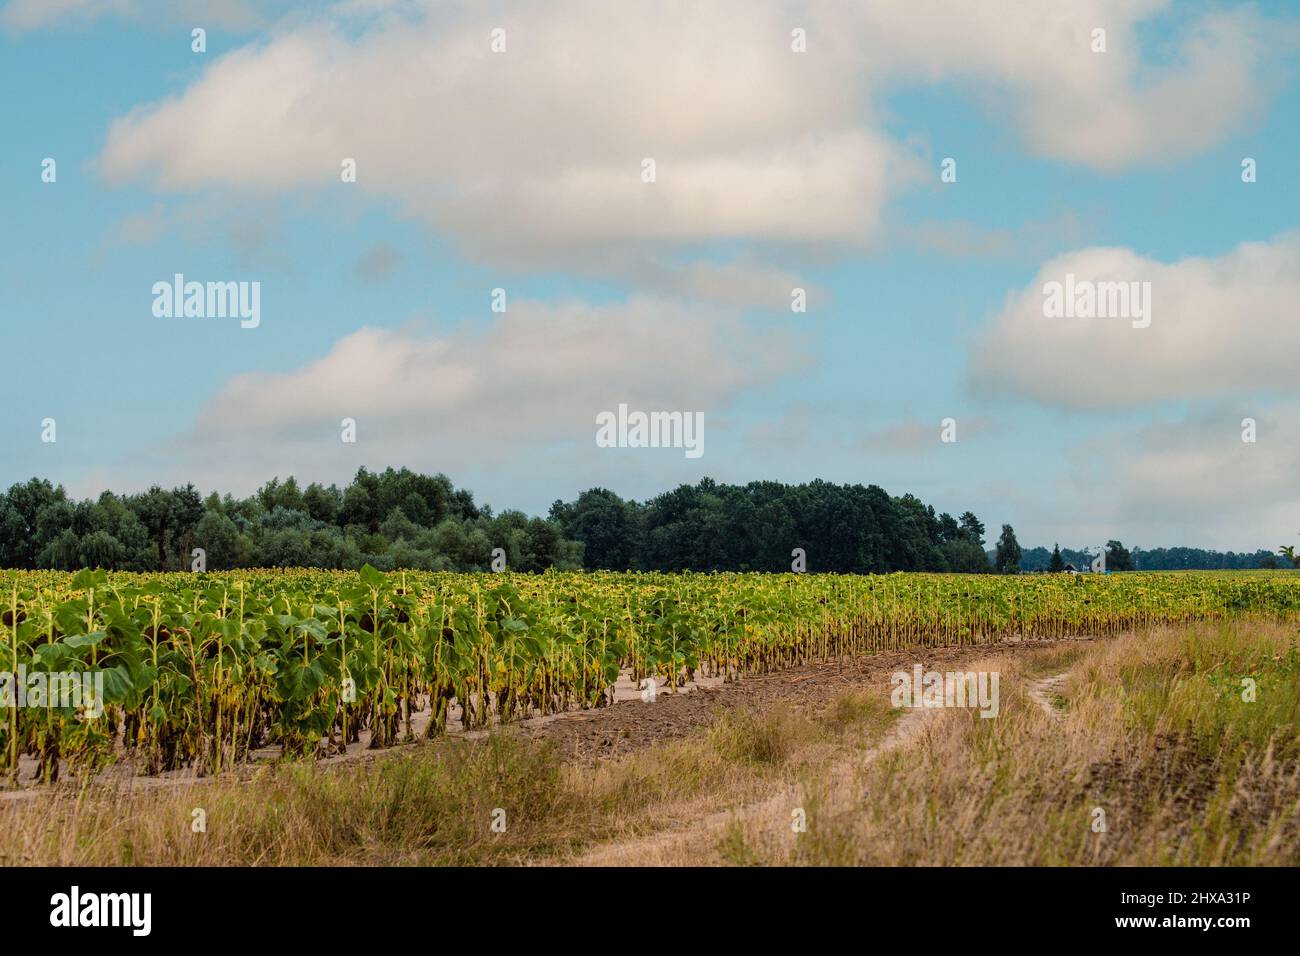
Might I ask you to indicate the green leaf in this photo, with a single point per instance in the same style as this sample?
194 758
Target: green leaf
84 640
52 655
117 685
87 579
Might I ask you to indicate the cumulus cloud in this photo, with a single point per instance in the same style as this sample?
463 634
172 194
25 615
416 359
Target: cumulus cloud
526 388
1218 327
540 146
1103 110
537 151
740 282
1190 480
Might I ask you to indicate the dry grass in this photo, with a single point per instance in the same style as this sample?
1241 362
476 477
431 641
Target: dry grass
1153 731
432 806
1155 734
763 756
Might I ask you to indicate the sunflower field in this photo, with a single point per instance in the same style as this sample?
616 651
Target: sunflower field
203 670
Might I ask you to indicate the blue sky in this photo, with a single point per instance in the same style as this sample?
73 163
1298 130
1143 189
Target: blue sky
775 169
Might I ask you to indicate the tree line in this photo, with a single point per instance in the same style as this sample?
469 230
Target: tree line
398 518
392 519
755 527
1118 558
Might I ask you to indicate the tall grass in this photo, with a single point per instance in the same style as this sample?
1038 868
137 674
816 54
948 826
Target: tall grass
433 805
1158 761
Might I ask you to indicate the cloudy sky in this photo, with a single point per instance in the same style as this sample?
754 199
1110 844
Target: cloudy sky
775 168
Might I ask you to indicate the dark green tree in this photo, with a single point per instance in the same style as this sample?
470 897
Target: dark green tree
1057 564
608 527
1118 557
973 527
1008 552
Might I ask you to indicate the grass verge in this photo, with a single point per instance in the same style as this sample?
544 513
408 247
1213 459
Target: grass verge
1175 747
501 800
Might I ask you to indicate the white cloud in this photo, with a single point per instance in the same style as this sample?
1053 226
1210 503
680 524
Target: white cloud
537 151
1104 110
1189 481
740 282
1219 327
480 402
539 147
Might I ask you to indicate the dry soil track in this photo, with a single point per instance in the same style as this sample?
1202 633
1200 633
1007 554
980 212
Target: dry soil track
697 843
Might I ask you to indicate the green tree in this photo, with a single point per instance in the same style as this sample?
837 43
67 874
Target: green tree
608 527
1057 564
218 537
19 544
964 555
99 549
397 526
1118 557
972 527
1008 552
323 504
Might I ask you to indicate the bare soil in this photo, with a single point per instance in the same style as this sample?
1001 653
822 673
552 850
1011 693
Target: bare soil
698 842
629 726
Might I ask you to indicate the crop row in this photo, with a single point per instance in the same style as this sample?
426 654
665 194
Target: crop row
201 670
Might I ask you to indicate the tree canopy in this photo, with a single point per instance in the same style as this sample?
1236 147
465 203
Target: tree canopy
390 519
755 527
398 518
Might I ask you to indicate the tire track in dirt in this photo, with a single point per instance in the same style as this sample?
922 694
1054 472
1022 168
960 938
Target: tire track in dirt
669 846
696 842
1045 691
